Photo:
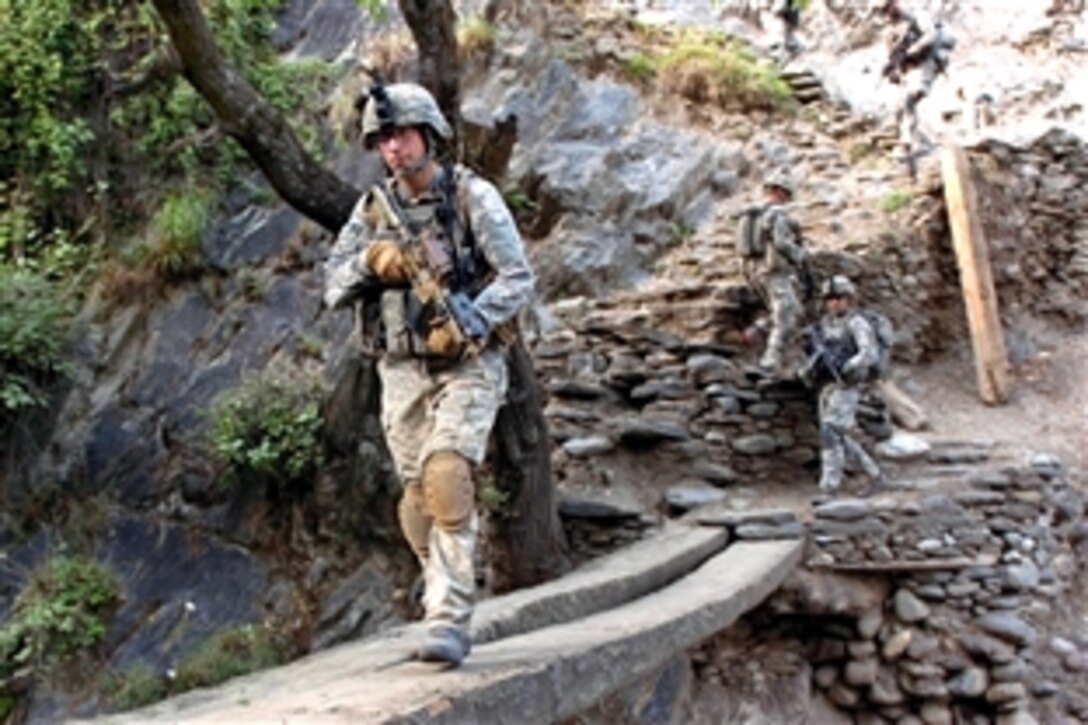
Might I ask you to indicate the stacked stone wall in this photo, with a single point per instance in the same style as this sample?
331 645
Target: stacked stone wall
977 625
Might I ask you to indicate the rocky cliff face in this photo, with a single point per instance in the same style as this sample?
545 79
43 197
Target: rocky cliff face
635 342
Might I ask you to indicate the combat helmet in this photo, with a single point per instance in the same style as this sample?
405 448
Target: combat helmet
780 179
839 286
399 105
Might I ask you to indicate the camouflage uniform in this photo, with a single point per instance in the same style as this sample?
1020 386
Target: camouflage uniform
437 413
839 398
775 277
926 57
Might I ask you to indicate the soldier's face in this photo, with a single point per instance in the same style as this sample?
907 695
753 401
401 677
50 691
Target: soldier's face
775 195
402 148
837 305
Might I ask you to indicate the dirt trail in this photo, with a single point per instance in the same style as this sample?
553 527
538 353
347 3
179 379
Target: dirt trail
1047 411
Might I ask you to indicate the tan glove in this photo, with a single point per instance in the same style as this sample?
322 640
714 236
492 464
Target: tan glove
443 341
386 261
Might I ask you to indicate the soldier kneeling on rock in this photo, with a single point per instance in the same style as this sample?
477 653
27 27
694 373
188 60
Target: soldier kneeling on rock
843 357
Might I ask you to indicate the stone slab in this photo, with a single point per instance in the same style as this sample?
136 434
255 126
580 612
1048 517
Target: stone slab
606 582
541 676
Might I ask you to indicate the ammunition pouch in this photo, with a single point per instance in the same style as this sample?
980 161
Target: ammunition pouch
411 328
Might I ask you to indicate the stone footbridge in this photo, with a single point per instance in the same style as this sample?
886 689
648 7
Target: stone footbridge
540 654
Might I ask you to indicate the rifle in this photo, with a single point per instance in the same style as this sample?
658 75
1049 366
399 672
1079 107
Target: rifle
824 363
897 59
431 273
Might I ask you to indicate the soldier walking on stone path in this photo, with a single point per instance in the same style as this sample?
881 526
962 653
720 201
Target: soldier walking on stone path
916 58
774 262
843 354
442 386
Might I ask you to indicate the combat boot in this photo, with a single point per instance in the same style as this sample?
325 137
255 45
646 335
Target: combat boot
445 644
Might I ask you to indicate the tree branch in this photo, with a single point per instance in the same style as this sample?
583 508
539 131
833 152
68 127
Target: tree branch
247 117
434 27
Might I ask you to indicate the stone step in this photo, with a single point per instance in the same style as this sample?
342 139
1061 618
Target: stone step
806 87
542 676
600 584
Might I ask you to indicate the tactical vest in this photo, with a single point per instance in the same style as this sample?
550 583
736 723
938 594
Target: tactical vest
396 325
840 340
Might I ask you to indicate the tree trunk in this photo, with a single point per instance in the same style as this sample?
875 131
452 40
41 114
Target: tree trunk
244 115
527 545
434 27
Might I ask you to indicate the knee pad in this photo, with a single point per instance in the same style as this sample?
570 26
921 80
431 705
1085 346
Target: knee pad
448 491
415 524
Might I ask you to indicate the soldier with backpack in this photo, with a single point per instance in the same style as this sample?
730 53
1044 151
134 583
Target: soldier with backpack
434 251
775 266
845 352
917 57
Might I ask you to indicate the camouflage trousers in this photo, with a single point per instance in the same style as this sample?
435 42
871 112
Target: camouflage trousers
426 413
838 411
779 294
916 86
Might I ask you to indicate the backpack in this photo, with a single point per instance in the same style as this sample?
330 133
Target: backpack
885 339
750 242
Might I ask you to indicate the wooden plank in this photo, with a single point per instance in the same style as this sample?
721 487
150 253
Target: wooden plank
904 409
911 565
976 278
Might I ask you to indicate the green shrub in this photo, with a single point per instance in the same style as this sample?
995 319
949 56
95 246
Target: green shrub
54 55
639 67
374 8
860 150
311 346
894 201
60 612
136 687
230 653
44 49
268 429
178 227
517 200
475 36
34 324
721 71
680 232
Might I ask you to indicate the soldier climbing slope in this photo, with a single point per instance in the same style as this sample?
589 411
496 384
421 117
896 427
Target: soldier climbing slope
789 13
435 254
775 265
919 54
843 357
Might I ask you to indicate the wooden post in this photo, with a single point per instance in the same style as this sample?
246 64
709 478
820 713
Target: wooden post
976 279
